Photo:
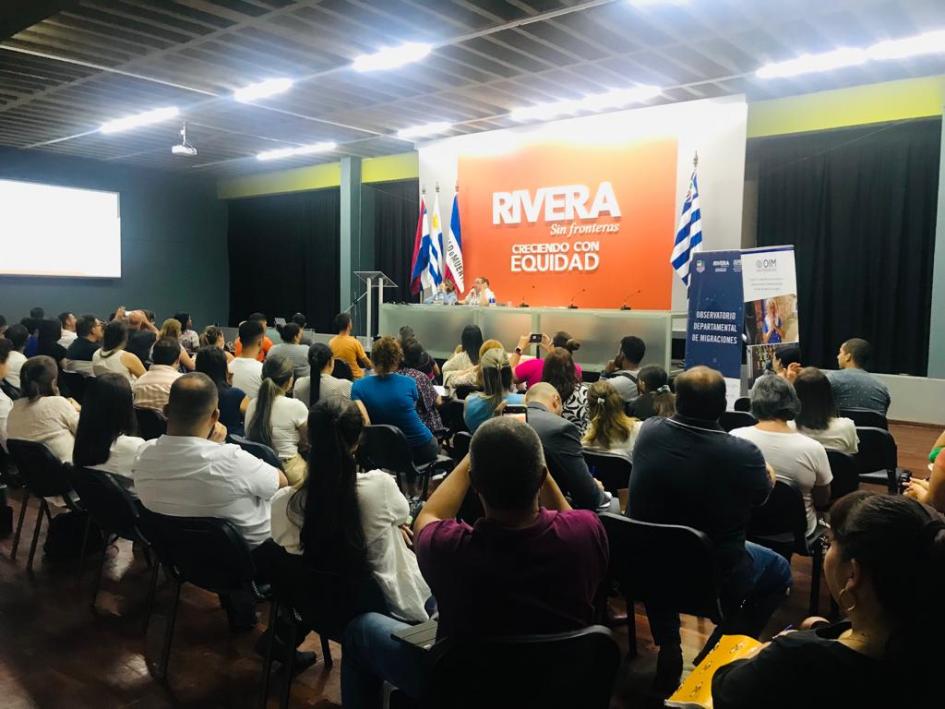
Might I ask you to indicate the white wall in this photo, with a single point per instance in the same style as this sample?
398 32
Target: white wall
716 128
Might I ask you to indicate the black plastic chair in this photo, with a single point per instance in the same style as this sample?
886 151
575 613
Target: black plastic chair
452 415
780 524
44 475
385 447
877 459
666 565
742 403
151 423
461 441
73 384
116 513
259 450
730 420
205 551
866 417
612 469
845 478
564 670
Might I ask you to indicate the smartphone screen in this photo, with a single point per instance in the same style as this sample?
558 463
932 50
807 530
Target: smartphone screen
516 411
535 338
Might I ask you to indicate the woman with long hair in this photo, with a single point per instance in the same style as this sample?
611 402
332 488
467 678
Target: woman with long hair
188 336
560 372
41 414
496 382
212 361
105 438
609 429
656 398
885 569
172 328
348 523
818 418
461 368
48 334
113 357
321 383
416 361
529 372
213 336
277 421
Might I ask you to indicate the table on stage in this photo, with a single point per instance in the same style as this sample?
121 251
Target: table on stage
599 331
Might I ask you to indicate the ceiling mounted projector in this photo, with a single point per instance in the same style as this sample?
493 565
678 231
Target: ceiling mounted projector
184 148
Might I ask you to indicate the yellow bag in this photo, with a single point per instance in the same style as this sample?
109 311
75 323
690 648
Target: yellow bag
696 691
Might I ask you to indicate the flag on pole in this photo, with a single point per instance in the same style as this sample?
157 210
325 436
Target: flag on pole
415 283
436 243
454 247
426 265
689 233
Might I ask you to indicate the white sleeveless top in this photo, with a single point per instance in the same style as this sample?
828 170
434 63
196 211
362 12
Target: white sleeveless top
105 362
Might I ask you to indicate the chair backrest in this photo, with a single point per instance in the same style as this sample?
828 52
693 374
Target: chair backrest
730 420
574 669
877 450
452 415
385 446
73 384
260 450
667 564
612 469
461 441
205 551
866 417
464 390
782 520
111 506
43 473
742 403
151 423
845 478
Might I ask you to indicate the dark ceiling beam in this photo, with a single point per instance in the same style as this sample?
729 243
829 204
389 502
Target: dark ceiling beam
19 14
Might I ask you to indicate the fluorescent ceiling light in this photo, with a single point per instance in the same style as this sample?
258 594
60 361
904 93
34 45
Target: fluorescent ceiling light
595 102
312 149
425 130
392 57
139 120
262 89
928 43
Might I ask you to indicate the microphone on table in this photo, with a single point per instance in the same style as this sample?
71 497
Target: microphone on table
523 304
573 306
625 306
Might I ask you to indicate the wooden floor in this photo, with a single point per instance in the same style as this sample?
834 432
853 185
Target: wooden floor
55 653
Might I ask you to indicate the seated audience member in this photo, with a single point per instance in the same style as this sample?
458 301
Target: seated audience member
17 335
89 331
40 414
561 442
233 401
885 568
421 359
445 295
172 328
321 384
213 336
465 359
142 333
6 403
529 372
931 491
496 382
188 336
854 387
793 455
787 360
350 523
494 578
67 321
48 334
480 294
246 367
32 326
277 421
559 371
266 343
937 447
687 470
347 348
105 438
391 398
609 429
113 357
292 348
191 472
656 398
415 360
300 320
818 417
623 370
152 388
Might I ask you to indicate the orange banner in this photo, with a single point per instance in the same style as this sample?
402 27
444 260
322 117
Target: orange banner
559 223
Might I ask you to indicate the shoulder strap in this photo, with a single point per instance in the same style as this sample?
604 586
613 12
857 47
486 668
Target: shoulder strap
626 375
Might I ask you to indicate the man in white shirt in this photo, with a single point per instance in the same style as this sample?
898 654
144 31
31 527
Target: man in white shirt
481 293
246 368
190 472
152 389
67 321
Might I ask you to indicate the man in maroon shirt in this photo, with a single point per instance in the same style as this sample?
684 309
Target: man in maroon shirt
531 565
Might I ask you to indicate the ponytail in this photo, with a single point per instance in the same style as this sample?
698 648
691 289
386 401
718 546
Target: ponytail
319 355
664 402
276 372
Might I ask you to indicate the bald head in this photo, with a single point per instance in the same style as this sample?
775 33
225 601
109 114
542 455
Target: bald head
192 407
545 394
700 394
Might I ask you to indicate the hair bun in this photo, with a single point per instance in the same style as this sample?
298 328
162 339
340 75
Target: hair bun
572 345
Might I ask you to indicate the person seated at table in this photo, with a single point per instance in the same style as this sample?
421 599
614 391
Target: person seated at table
480 294
320 384
462 364
496 379
41 414
818 417
559 371
853 386
113 355
492 579
885 569
445 295
415 360
347 348
172 328
609 429
233 402
529 372
656 398
391 398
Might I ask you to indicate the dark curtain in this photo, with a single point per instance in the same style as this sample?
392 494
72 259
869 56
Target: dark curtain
859 205
396 205
284 256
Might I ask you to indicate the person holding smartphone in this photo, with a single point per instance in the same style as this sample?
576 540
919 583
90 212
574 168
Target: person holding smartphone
529 371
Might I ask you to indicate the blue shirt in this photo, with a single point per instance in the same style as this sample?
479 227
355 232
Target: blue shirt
392 399
230 415
477 410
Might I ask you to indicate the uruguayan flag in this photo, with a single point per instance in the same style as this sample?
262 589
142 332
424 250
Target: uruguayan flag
435 264
689 233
